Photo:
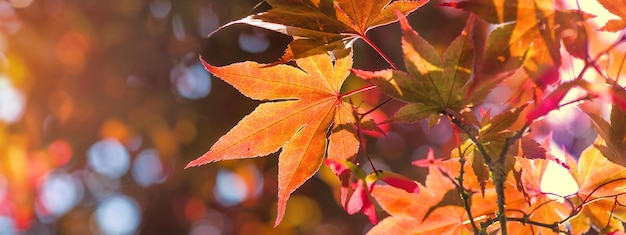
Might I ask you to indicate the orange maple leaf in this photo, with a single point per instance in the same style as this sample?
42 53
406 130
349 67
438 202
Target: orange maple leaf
617 8
303 104
418 213
601 184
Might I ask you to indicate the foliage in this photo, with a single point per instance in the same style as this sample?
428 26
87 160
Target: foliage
495 169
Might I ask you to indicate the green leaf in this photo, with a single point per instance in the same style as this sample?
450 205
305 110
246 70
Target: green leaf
614 135
432 84
502 122
618 122
413 112
480 169
398 84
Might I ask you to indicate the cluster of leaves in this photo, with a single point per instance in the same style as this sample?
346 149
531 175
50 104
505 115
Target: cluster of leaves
305 115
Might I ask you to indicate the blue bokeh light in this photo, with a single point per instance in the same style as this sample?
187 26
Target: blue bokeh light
254 42
230 188
117 215
60 193
109 157
147 168
192 82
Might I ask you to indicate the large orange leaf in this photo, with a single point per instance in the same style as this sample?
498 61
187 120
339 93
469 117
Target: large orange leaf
418 213
601 182
319 26
302 105
411 213
443 220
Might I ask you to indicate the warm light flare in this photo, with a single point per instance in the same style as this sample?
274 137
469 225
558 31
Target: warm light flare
71 50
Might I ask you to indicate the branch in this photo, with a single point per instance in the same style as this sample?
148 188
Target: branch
495 169
588 200
465 195
470 133
554 226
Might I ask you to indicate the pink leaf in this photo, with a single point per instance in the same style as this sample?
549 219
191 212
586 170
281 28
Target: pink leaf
548 104
356 200
549 77
339 168
370 211
430 160
360 201
400 181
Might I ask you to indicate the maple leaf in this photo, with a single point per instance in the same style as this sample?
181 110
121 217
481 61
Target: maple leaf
552 101
361 199
432 84
318 26
601 184
536 204
530 149
428 161
303 103
404 208
530 37
616 7
492 136
614 134
409 211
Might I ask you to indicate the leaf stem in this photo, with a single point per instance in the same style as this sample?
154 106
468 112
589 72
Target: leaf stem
580 99
471 135
465 193
608 223
379 51
377 107
354 92
589 200
621 65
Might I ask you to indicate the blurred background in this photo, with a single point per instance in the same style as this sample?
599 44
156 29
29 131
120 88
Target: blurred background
102 104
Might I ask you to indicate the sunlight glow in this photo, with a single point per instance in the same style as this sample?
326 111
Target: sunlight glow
12 101
566 115
556 179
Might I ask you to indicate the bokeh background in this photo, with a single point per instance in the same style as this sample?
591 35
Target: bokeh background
102 104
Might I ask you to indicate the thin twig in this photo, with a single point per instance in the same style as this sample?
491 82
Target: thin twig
464 193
